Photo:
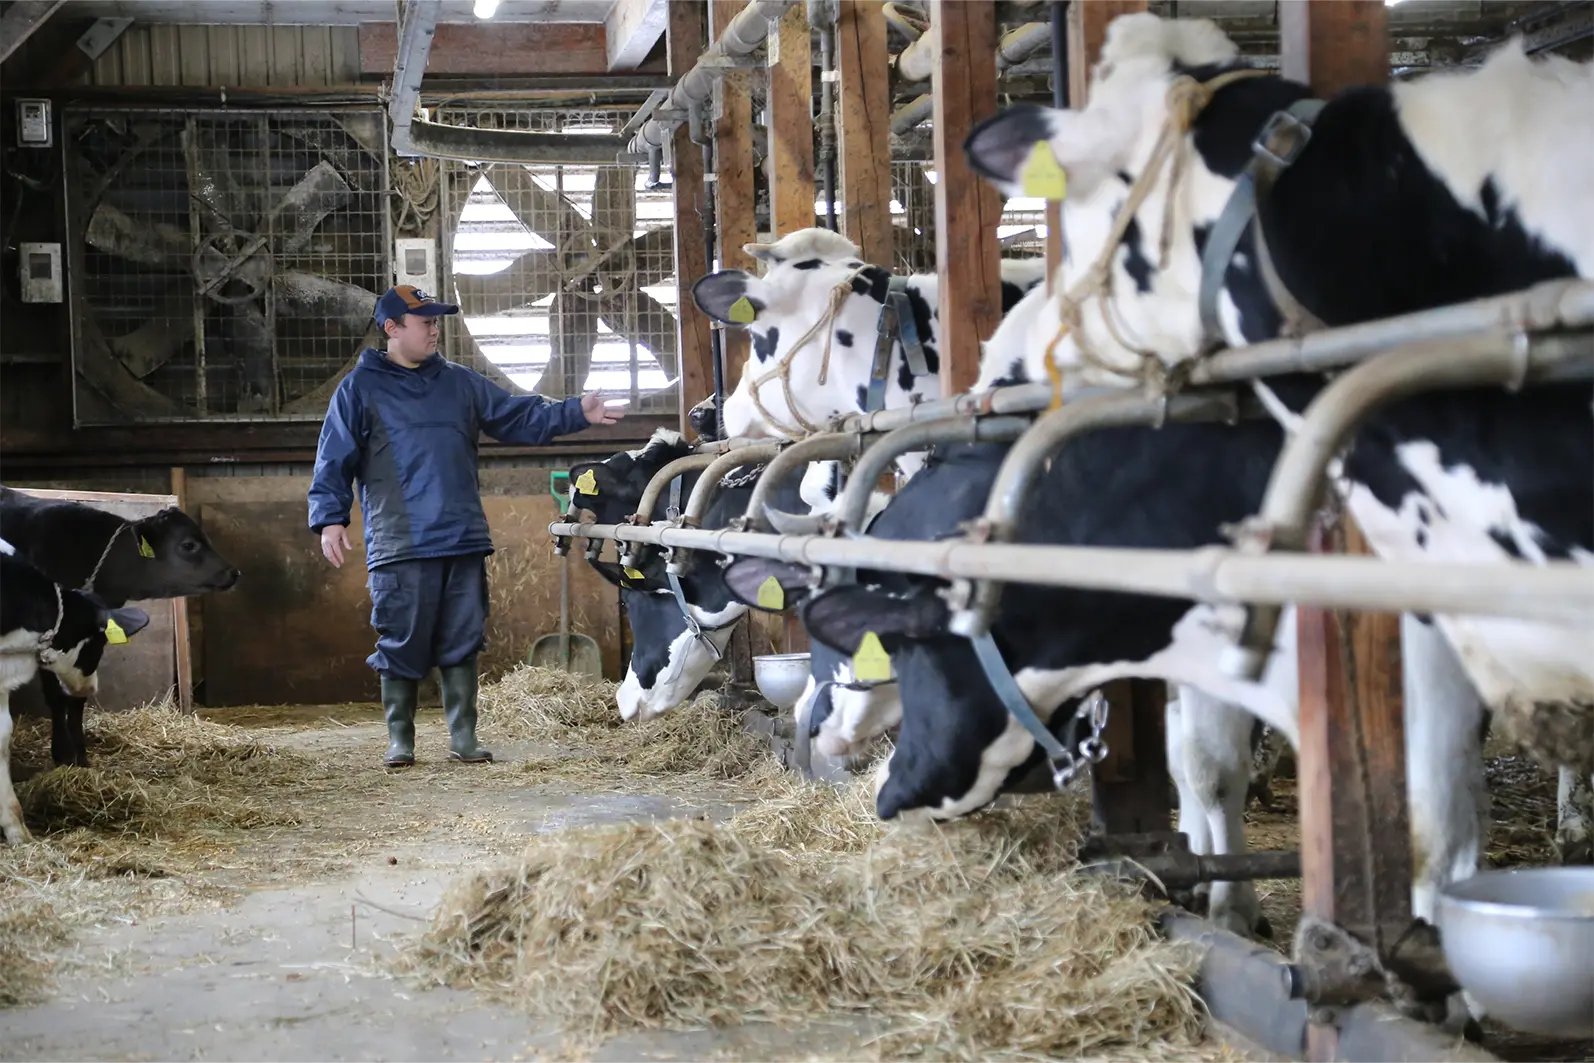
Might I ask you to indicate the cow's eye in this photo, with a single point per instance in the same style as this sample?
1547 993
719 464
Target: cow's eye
189 546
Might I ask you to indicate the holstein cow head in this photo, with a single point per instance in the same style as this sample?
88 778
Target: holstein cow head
166 555
814 319
66 631
668 661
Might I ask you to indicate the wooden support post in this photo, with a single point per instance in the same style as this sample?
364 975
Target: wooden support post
791 126
864 138
1355 824
687 33
967 207
734 205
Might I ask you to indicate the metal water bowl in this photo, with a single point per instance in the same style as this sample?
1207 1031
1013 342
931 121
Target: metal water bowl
781 677
1521 941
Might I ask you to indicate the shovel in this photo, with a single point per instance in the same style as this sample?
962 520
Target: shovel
567 652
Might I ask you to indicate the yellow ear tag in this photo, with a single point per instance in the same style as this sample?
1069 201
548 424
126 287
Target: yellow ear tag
144 549
771 595
633 573
871 663
114 633
1042 177
742 311
587 483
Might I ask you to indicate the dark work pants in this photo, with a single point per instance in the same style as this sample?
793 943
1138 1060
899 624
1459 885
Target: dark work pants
429 612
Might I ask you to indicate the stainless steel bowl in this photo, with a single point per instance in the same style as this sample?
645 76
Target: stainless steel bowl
1521 942
781 677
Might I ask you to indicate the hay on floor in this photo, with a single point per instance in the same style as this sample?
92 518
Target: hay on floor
970 940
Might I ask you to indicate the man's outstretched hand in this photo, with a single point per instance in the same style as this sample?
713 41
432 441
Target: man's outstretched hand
596 412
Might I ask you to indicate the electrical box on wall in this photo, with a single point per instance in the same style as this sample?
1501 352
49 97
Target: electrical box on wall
415 262
41 273
33 124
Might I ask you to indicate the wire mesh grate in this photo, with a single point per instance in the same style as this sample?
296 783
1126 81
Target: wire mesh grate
224 263
565 274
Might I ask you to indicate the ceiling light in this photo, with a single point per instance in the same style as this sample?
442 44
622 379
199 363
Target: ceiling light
485 8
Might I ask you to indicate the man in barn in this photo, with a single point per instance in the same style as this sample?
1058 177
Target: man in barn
405 423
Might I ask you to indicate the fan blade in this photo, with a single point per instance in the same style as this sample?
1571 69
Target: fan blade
153 343
529 278
310 295
650 324
115 233
572 333
318 193
249 344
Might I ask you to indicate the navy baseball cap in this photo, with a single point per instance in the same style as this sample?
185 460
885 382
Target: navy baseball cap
408 299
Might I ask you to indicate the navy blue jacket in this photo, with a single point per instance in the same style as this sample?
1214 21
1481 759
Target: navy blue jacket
409 435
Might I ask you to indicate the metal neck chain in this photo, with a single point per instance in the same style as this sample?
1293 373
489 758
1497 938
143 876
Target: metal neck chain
1092 750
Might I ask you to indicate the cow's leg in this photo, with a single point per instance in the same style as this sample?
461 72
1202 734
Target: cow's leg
11 825
1444 765
1574 807
1213 755
68 744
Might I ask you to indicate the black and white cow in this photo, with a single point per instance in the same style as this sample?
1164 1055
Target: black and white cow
668 661
825 347
165 555
64 631
1407 197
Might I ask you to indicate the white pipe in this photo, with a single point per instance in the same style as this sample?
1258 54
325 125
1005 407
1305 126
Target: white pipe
1558 592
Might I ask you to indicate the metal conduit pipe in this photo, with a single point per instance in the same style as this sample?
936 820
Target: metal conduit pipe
1503 358
848 513
1024 464
741 36
827 446
1551 305
915 61
1557 592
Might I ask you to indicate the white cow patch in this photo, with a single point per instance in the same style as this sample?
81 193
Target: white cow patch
857 717
1209 747
11 825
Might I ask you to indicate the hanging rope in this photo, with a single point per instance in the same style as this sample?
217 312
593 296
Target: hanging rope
1186 98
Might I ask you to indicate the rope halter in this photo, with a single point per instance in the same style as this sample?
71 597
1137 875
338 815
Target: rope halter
782 368
1186 99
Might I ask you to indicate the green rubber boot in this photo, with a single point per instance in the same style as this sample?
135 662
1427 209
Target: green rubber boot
458 684
398 698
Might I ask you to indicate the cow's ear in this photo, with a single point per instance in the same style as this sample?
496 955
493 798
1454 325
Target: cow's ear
122 624
843 617
769 586
1026 150
593 485
629 579
730 297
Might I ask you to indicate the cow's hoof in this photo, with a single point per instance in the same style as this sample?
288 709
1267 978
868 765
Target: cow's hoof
1576 853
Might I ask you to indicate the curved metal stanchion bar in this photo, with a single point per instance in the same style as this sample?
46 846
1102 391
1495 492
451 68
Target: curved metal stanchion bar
708 484
1024 463
827 446
849 511
1558 592
1499 358
631 556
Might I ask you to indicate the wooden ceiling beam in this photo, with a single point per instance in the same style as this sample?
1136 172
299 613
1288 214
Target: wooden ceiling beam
632 29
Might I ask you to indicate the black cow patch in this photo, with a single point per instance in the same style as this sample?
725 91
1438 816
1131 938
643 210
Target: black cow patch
863 397
765 345
1136 264
808 263
844 337
873 282
1012 294
1506 543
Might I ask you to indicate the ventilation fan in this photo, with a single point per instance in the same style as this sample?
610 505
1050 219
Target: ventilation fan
228 262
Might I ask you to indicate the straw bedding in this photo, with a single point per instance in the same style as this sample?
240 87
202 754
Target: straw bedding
972 939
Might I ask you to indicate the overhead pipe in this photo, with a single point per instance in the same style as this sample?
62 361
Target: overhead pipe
1504 358
917 60
1027 461
1557 592
741 36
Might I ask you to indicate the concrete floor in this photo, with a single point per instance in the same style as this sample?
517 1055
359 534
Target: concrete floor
289 971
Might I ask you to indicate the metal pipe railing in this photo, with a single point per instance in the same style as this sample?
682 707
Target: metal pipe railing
1546 306
1497 357
708 485
849 511
827 446
1557 592
1024 464
741 36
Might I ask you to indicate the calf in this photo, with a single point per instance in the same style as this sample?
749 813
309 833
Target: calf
166 555
814 318
1406 197
65 631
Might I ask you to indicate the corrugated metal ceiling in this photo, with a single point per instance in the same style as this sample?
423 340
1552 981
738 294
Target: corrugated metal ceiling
324 12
